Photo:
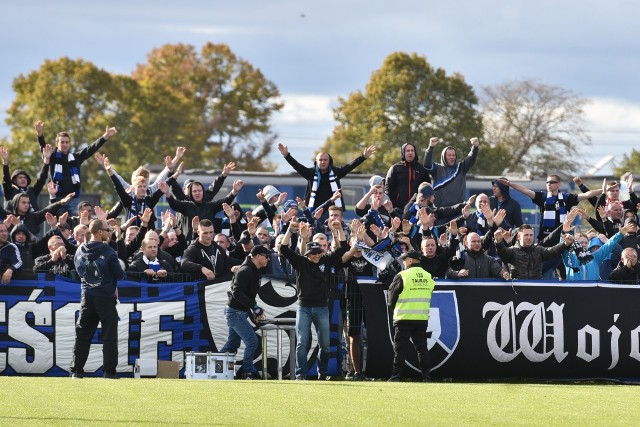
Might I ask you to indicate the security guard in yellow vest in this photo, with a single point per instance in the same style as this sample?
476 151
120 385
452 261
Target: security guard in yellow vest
410 299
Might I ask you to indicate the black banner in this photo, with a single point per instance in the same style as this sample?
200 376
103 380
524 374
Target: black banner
481 330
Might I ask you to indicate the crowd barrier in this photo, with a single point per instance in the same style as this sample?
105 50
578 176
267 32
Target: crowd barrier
477 330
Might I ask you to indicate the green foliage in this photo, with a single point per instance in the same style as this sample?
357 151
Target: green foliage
630 163
406 100
217 105
72 96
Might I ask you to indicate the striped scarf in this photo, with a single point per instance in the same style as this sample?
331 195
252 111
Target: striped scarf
137 208
153 265
73 168
552 206
316 183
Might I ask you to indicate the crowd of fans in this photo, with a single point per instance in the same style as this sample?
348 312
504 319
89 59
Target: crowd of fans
418 205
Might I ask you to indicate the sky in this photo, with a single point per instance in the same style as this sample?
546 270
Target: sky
316 52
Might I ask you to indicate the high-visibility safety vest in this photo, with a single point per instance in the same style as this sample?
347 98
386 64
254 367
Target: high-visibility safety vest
415 299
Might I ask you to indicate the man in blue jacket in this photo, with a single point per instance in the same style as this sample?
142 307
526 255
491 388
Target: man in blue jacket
99 270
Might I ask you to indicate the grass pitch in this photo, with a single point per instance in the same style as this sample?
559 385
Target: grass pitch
95 401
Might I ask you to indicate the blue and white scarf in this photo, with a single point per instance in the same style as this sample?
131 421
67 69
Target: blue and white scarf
73 169
153 265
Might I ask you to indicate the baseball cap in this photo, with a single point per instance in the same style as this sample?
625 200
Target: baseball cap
411 254
313 248
630 220
260 250
245 237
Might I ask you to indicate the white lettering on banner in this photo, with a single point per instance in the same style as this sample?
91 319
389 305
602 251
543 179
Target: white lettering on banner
42 347
635 344
124 310
3 354
150 332
66 334
584 353
615 337
506 341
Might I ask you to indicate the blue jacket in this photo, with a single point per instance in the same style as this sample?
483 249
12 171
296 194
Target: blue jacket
590 270
99 269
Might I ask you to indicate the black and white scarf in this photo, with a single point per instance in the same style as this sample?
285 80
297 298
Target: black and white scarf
316 183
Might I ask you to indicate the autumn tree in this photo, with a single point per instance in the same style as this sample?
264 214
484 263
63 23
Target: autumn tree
217 104
73 96
407 100
541 127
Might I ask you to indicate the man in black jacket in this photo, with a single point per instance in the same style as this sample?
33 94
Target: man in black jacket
203 257
99 270
242 303
404 177
323 178
628 272
313 270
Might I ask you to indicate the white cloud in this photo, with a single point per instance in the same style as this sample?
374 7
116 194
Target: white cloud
615 115
306 108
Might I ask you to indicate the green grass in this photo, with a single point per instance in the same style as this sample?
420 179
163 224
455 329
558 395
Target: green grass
63 401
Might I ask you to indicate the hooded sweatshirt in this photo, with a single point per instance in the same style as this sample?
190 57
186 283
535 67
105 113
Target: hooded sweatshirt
11 188
449 182
99 269
511 206
32 220
403 179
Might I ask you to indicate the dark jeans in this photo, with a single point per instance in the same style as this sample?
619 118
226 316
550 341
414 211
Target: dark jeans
416 331
95 309
240 330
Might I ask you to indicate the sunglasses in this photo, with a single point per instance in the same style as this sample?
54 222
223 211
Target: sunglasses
552 182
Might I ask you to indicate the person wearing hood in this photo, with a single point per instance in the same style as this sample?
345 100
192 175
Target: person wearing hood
450 176
195 204
21 207
323 178
628 271
99 269
28 247
403 178
20 181
10 260
64 167
473 263
585 265
501 199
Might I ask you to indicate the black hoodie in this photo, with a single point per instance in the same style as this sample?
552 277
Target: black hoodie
403 179
99 260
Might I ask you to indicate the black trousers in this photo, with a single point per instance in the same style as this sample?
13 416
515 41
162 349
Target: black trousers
405 332
95 309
